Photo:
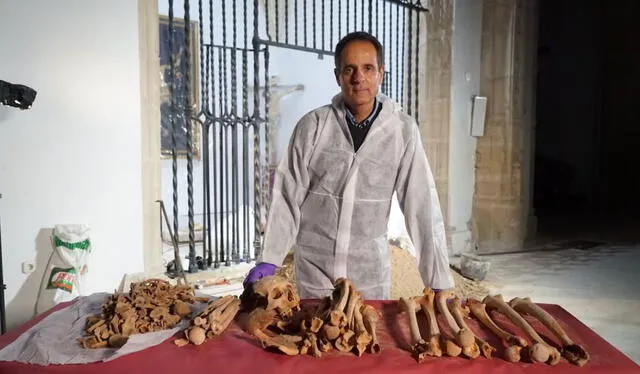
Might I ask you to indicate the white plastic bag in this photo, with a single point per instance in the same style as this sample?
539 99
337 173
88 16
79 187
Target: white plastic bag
64 277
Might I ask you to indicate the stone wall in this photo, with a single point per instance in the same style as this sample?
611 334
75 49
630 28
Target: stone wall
436 92
503 154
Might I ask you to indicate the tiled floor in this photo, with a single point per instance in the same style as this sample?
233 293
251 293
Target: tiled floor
599 286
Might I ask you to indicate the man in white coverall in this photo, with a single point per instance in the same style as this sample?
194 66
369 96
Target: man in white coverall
332 191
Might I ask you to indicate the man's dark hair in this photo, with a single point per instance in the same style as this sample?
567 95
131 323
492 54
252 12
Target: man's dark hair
358 36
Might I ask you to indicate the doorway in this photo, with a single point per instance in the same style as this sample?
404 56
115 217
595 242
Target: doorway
587 134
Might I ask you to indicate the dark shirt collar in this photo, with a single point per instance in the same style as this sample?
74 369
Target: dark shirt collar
351 119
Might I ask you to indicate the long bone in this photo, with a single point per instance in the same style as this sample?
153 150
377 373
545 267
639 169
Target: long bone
574 353
464 337
540 351
418 345
458 314
513 343
433 341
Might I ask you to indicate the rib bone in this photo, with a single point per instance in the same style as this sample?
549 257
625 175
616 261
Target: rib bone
573 352
540 351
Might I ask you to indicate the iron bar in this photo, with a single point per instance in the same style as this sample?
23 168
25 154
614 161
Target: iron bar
313 24
234 140
267 19
220 189
362 17
340 18
371 16
267 125
174 130
193 266
304 22
256 131
323 23
286 21
245 134
397 67
355 13
205 138
346 16
277 16
213 260
404 48
331 25
225 104
417 87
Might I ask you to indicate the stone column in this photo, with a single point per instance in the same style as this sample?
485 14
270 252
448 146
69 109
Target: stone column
501 198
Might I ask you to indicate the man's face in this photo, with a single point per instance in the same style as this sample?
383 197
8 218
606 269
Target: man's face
359 75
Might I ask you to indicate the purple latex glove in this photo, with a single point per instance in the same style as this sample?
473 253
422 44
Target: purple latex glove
261 270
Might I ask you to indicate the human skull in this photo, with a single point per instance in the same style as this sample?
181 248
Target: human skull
275 293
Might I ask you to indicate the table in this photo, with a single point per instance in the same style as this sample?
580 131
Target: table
237 352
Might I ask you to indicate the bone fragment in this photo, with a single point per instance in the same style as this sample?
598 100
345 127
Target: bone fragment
370 317
433 340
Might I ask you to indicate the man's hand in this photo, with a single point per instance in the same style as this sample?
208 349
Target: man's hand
261 270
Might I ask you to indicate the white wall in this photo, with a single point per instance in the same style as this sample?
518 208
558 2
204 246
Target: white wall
75 156
465 83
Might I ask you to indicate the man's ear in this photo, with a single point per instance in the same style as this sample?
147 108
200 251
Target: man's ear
337 75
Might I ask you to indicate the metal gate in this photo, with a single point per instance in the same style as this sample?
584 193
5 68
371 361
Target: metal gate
234 39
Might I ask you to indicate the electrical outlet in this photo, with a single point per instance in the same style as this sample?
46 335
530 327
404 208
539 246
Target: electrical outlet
28 267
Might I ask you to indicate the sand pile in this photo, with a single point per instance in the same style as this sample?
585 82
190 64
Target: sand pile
405 278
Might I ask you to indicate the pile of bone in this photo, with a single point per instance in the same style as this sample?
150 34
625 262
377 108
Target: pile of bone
151 305
211 322
458 339
341 321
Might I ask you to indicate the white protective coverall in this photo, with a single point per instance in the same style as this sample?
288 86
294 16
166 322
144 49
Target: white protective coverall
333 203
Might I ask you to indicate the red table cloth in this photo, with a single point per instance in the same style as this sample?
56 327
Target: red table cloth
237 352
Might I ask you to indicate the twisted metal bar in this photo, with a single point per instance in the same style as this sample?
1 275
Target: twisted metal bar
205 140
234 141
193 266
213 260
256 131
267 125
173 110
221 187
245 137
